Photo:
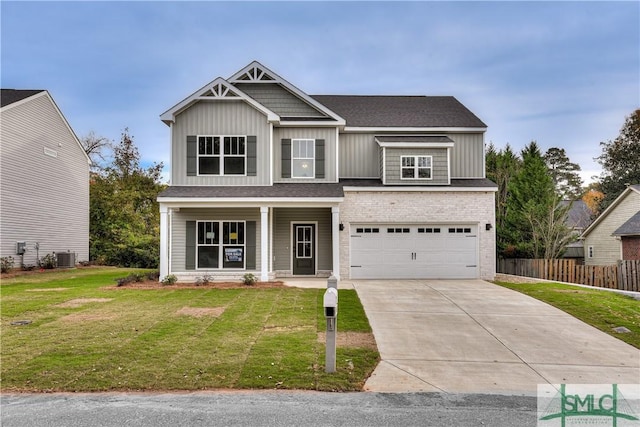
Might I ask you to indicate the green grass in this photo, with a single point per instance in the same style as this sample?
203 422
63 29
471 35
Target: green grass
601 309
136 339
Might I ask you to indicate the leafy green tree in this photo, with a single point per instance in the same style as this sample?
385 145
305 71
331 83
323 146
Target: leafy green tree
125 219
502 166
564 173
534 221
620 159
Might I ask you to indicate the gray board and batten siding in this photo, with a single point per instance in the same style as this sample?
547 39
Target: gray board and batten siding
44 183
234 118
283 217
360 155
328 135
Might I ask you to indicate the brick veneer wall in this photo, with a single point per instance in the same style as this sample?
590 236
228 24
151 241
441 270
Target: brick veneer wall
426 207
631 248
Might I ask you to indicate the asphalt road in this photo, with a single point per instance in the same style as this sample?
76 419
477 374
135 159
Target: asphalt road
266 408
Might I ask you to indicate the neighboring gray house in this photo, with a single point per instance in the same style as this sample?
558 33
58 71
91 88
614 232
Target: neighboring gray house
615 234
44 180
268 180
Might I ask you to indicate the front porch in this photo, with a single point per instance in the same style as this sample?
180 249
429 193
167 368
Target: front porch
223 242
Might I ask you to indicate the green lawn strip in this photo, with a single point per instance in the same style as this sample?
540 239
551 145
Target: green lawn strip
603 310
143 340
351 315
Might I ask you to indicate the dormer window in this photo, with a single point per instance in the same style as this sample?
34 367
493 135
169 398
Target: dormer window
416 167
303 158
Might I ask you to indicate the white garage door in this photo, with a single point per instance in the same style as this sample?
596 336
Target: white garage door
400 251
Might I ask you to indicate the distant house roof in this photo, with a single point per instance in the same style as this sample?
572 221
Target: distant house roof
629 228
9 96
632 188
579 216
401 111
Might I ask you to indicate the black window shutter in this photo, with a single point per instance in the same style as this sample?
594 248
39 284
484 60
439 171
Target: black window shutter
192 155
319 158
190 239
251 155
250 234
286 158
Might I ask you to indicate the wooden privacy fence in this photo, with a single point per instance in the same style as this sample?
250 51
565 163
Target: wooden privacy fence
625 275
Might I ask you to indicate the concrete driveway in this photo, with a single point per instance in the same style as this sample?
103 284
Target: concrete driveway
471 336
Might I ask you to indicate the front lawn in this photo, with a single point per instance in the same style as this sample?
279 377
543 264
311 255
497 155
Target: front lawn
601 309
86 335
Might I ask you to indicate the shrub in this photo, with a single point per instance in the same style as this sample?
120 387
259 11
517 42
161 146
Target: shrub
28 267
6 264
49 261
249 279
131 278
169 279
204 280
153 275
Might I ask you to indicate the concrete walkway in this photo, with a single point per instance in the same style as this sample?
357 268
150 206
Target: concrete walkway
470 336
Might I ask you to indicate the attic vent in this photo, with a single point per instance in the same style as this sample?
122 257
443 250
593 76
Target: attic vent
66 259
255 74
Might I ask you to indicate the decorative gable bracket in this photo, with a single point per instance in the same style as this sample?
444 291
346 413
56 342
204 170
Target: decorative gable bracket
219 90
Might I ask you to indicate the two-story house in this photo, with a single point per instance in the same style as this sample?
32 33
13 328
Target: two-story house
268 180
44 181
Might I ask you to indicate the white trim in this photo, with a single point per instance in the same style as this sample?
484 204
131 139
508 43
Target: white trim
221 245
220 155
337 177
309 123
164 241
271 168
449 166
264 243
416 144
335 241
311 159
414 129
384 165
170 115
424 189
416 168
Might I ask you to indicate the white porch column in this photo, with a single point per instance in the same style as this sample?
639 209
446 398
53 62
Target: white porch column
335 240
164 241
264 243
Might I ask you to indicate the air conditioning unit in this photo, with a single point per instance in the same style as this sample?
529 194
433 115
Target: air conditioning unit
66 259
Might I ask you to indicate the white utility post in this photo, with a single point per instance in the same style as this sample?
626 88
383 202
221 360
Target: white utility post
330 303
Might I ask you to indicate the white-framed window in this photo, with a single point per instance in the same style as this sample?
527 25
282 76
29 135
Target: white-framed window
220 245
222 155
416 167
590 252
303 158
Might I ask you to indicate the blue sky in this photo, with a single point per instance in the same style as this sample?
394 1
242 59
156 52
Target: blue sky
565 74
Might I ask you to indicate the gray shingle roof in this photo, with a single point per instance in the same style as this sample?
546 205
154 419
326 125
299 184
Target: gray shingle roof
579 215
629 228
400 111
9 96
295 190
286 190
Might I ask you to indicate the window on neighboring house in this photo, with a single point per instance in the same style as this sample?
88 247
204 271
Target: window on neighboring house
220 244
415 167
590 252
303 158
221 155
